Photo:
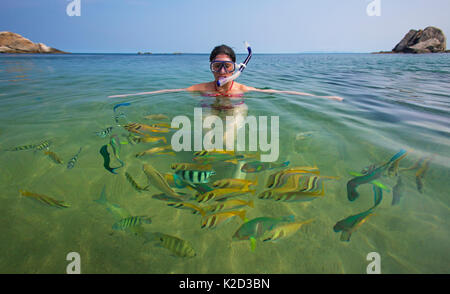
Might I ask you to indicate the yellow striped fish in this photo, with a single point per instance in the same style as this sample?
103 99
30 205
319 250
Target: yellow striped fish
187 205
234 183
228 204
154 150
156 116
222 194
44 199
191 166
157 180
134 184
214 219
53 157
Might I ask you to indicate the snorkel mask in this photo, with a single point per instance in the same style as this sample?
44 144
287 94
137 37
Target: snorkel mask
239 68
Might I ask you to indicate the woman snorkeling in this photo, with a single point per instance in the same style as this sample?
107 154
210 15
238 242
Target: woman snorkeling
225 70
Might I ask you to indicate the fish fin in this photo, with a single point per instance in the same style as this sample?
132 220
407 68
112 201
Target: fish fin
345 236
241 214
251 204
252 243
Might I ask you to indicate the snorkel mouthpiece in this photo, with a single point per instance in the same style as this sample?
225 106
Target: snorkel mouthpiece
239 68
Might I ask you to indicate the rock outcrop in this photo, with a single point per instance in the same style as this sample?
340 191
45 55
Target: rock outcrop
15 43
429 40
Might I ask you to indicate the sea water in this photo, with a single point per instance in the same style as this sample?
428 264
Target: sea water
392 102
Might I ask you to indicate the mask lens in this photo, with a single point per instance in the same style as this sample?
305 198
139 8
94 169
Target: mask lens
216 66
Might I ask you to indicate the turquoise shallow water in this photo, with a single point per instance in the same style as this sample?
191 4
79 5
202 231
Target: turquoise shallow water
392 102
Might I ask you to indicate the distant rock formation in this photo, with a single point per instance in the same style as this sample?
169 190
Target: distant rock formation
429 40
15 43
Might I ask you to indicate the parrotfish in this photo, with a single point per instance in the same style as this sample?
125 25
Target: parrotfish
372 174
45 199
284 230
375 182
397 191
177 246
73 160
377 195
258 166
350 224
256 228
117 212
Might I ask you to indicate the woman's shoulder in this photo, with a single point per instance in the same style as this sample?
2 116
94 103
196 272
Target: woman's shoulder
244 88
201 87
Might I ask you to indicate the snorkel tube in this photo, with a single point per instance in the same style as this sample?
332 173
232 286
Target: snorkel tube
240 68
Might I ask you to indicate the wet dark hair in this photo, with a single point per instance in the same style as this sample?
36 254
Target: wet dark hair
222 49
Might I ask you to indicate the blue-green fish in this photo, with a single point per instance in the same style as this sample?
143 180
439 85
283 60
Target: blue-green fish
377 195
372 174
73 160
114 142
107 160
350 224
255 228
117 212
258 166
105 132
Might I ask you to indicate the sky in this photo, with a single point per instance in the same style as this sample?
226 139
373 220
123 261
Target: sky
197 26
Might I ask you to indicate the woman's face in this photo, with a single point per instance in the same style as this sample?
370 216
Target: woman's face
222 72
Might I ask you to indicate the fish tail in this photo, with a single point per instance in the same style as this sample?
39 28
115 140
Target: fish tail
102 199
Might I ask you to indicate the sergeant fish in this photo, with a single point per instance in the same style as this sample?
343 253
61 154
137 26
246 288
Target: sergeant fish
195 176
73 160
350 224
131 222
104 133
45 199
177 246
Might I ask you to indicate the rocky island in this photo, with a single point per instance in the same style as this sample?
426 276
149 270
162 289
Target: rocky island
15 43
429 40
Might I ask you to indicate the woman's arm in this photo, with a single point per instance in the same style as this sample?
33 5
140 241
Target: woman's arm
148 93
293 93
